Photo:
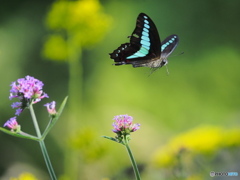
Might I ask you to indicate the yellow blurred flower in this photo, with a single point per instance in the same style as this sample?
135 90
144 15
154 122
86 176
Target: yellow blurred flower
78 24
25 176
56 52
201 140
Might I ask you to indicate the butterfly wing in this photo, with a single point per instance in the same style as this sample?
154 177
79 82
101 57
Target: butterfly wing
143 47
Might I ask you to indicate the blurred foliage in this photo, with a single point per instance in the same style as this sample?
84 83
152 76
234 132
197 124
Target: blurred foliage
202 88
86 143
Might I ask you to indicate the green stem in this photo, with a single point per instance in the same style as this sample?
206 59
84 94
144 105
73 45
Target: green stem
134 164
74 105
42 145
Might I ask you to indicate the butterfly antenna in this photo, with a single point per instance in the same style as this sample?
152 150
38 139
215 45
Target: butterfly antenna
181 53
177 54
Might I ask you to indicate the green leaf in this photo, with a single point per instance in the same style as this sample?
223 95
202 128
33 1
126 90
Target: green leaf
19 134
54 119
112 139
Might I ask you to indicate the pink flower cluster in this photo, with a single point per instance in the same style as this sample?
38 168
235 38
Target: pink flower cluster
123 123
27 90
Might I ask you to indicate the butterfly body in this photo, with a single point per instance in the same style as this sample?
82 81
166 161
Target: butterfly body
145 47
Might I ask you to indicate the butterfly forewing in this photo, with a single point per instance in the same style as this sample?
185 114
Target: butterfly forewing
145 36
144 44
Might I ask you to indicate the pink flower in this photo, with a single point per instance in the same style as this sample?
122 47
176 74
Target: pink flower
12 124
51 108
123 124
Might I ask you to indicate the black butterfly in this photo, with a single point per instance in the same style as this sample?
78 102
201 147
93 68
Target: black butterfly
145 47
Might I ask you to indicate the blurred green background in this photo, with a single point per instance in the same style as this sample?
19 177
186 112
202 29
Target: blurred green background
202 90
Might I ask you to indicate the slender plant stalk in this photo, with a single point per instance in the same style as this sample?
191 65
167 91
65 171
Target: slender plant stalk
134 164
72 167
42 145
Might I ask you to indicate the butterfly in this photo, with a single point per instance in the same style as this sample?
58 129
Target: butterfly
145 47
